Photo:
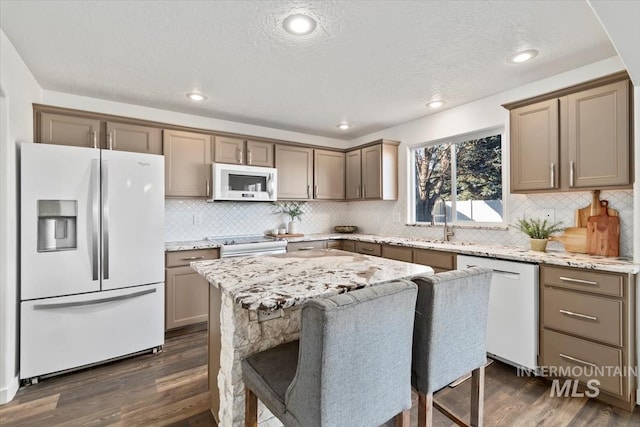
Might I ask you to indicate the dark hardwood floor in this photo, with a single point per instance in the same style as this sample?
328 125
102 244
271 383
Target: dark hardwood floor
170 388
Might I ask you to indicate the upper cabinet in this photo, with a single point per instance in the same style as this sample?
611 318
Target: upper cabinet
372 171
187 158
577 140
136 138
597 136
68 130
535 147
243 152
95 133
295 172
328 175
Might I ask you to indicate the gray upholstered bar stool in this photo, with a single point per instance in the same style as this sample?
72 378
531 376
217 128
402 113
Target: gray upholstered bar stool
449 339
351 367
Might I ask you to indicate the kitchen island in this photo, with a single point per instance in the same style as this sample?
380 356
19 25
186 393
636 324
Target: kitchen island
254 304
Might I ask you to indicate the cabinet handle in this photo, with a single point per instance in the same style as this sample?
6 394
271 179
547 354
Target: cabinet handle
367 249
582 316
110 140
364 193
358 191
191 258
240 152
249 162
306 248
207 187
94 137
571 173
552 173
582 282
574 359
308 191
315 191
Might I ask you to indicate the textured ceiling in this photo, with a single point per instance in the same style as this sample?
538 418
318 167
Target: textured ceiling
374 64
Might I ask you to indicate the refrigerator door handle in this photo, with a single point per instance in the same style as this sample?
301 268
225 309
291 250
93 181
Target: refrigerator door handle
105 219
95 225
92 301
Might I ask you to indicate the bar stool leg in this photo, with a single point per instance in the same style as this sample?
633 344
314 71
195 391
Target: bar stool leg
403 419
477 397
425 410
250 408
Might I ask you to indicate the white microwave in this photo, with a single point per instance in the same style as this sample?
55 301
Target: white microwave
243 183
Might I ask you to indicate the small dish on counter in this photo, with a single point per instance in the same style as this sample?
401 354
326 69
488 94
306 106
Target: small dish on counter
345 228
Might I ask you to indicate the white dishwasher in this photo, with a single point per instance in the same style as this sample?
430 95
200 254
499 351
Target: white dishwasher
512 324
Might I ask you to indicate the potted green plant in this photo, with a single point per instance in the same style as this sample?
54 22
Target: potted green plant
294 210
538 231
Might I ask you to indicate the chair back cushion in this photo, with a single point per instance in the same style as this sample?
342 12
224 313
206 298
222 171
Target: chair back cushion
450 327
354 363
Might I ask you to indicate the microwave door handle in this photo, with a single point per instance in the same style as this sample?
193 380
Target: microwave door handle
270 185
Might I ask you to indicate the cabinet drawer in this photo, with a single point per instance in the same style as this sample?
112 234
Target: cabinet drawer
567 352
334 244
589 316
398 253
587 281
440 261
180 258
368 248
348 245
305 246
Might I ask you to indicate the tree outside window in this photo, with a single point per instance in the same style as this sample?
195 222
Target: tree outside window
462 180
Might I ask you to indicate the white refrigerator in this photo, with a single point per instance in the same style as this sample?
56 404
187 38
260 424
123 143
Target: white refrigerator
91 256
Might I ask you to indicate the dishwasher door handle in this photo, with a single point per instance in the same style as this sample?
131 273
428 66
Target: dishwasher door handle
508 274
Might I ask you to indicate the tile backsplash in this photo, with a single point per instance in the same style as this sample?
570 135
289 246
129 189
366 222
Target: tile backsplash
187 219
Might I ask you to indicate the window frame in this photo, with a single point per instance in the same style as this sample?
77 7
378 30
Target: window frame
456 139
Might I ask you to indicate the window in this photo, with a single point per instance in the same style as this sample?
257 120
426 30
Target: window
459 178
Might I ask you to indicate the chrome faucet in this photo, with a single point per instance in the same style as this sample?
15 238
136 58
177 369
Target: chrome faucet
446 231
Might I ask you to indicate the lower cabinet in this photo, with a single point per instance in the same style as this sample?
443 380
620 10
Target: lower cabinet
587 331
187 292
438 260
349 245
369 248
315 244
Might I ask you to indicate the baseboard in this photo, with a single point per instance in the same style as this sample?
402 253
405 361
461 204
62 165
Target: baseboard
9 392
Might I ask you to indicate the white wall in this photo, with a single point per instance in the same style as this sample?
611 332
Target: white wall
18 90
66 100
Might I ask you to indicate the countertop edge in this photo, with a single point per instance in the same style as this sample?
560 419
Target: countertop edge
509 253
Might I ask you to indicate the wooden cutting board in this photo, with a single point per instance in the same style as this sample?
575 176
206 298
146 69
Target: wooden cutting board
583 214
574 239
603 233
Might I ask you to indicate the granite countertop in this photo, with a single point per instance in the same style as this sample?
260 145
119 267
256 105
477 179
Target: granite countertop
512 253
271 282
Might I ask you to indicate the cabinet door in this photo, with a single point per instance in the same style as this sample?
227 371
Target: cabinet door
139 139
328 175
260 153
187 159
372 172
535 147
353 175
598 136
69 130
187 297
229 150
295 172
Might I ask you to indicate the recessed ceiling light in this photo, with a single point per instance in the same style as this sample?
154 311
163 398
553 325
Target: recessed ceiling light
343 126
523 56
195 96
435 104
299 25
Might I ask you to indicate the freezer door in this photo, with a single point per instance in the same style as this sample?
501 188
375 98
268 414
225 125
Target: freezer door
68 332
59 220
133 219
